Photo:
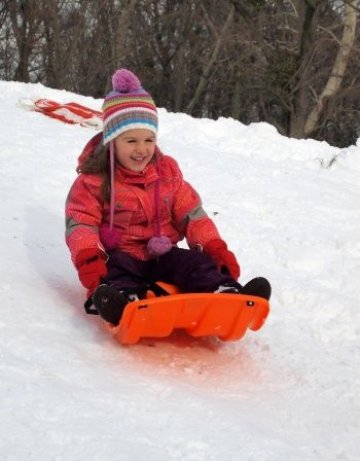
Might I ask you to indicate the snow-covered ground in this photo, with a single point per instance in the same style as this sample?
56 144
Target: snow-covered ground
288 208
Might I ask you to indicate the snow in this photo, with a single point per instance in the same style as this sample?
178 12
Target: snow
290 211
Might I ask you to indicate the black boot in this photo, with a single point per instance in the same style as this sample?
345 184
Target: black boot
110 303
258 286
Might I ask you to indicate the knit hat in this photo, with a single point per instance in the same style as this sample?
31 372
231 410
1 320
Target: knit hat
127 107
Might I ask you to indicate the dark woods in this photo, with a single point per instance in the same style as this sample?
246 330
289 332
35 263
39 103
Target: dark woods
292 63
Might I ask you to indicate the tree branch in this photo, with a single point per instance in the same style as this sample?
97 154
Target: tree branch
214 55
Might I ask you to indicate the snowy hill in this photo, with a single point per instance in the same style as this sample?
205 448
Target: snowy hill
289 392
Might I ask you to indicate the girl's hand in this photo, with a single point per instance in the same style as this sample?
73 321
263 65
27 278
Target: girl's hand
224 258
91 267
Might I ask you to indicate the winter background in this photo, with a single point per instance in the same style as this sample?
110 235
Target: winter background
288 208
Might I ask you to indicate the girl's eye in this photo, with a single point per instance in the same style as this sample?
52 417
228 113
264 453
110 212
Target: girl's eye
132 141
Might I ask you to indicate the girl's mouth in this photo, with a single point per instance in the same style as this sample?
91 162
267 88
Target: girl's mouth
138 159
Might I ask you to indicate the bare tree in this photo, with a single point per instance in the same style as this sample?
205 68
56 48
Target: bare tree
301 69
292 63
336 77
212 58
25 20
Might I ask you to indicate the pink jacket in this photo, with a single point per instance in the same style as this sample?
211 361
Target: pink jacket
179 212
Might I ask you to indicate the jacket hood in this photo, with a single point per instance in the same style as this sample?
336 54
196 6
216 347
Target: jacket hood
94 143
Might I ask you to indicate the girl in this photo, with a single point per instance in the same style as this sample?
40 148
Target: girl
130 206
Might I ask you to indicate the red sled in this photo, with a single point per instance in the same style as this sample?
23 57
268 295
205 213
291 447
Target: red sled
70 112
223 315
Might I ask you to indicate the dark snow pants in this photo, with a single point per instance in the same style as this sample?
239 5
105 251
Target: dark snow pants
190 270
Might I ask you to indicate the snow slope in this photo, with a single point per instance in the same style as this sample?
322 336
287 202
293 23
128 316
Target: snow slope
288 208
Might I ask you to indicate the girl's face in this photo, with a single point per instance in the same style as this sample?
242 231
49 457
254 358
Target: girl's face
134 149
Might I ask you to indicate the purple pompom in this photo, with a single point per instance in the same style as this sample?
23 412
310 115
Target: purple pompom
110 238
158 246
124 81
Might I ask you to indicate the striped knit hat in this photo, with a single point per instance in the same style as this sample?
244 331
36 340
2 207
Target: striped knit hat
127 107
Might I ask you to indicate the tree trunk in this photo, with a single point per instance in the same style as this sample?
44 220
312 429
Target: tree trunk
179 80
299 109
19 15
120 32
337 74
236 96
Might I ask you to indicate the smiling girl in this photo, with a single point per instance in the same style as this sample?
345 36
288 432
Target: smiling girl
130 206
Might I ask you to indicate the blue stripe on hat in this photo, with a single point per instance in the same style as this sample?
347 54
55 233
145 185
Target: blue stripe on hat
109 132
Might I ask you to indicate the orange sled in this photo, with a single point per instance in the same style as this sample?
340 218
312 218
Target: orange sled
226 316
